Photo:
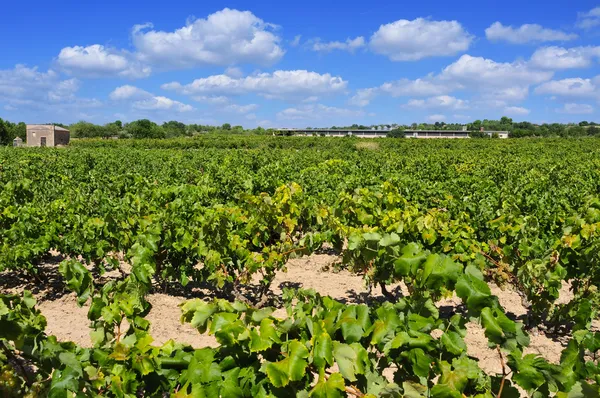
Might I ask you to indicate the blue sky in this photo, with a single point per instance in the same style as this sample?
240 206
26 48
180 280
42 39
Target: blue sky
287 64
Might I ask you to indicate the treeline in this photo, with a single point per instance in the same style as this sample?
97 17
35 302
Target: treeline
518 129
144 128
9 131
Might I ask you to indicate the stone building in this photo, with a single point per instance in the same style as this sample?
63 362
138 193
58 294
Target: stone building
47 135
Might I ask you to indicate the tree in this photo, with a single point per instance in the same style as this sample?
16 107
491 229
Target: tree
478 134
226 126
4 133
476 125
174 129
396 133
113 129
19 130
144 128
83 129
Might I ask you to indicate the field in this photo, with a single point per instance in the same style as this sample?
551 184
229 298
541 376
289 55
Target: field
294 266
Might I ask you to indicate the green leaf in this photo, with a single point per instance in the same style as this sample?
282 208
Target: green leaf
261 314
453 343
410 260
420 361
292 368
331 387
389 240
323 350
71 362
473 290
346 360
77 278
529 370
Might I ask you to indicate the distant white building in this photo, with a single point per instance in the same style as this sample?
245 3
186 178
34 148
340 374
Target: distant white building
47 135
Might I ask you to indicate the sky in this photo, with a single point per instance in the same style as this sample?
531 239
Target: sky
300 64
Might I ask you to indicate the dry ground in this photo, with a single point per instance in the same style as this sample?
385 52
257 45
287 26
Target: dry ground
68 322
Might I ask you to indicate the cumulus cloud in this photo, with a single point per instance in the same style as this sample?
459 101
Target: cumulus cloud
349 45
161 103
296 41
234 72
128 92
429 86
224 38
317 112
405 40
516 111
496 82
98 61
481 71
25 87
571 87
214 100
565 58
439 102
589 20
576 109
143 100
528 33
279 84
235 108
514 93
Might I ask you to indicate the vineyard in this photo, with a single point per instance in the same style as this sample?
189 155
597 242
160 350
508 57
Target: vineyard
420 222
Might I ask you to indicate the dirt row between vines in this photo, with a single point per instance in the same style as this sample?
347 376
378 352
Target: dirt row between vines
68 322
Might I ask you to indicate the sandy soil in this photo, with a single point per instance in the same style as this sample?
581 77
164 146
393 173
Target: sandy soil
68 322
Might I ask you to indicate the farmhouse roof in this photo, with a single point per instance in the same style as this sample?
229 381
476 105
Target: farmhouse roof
46 127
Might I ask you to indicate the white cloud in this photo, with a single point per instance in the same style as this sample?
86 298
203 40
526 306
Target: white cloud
495 81
223 38
563 58
143 100
215 100
317 112
588 20
436 118
528 33
279 84
403 88
364 96
240 108
576 109
405 40
27 88
22 82
234 72
128 92
514 93
349 45
312 98
571 87
296 41
98 61
161 103
439 102
484 73
516 111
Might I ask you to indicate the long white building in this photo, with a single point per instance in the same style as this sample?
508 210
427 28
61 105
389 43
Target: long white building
383 133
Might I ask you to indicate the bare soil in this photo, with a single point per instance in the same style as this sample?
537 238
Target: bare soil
68 322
